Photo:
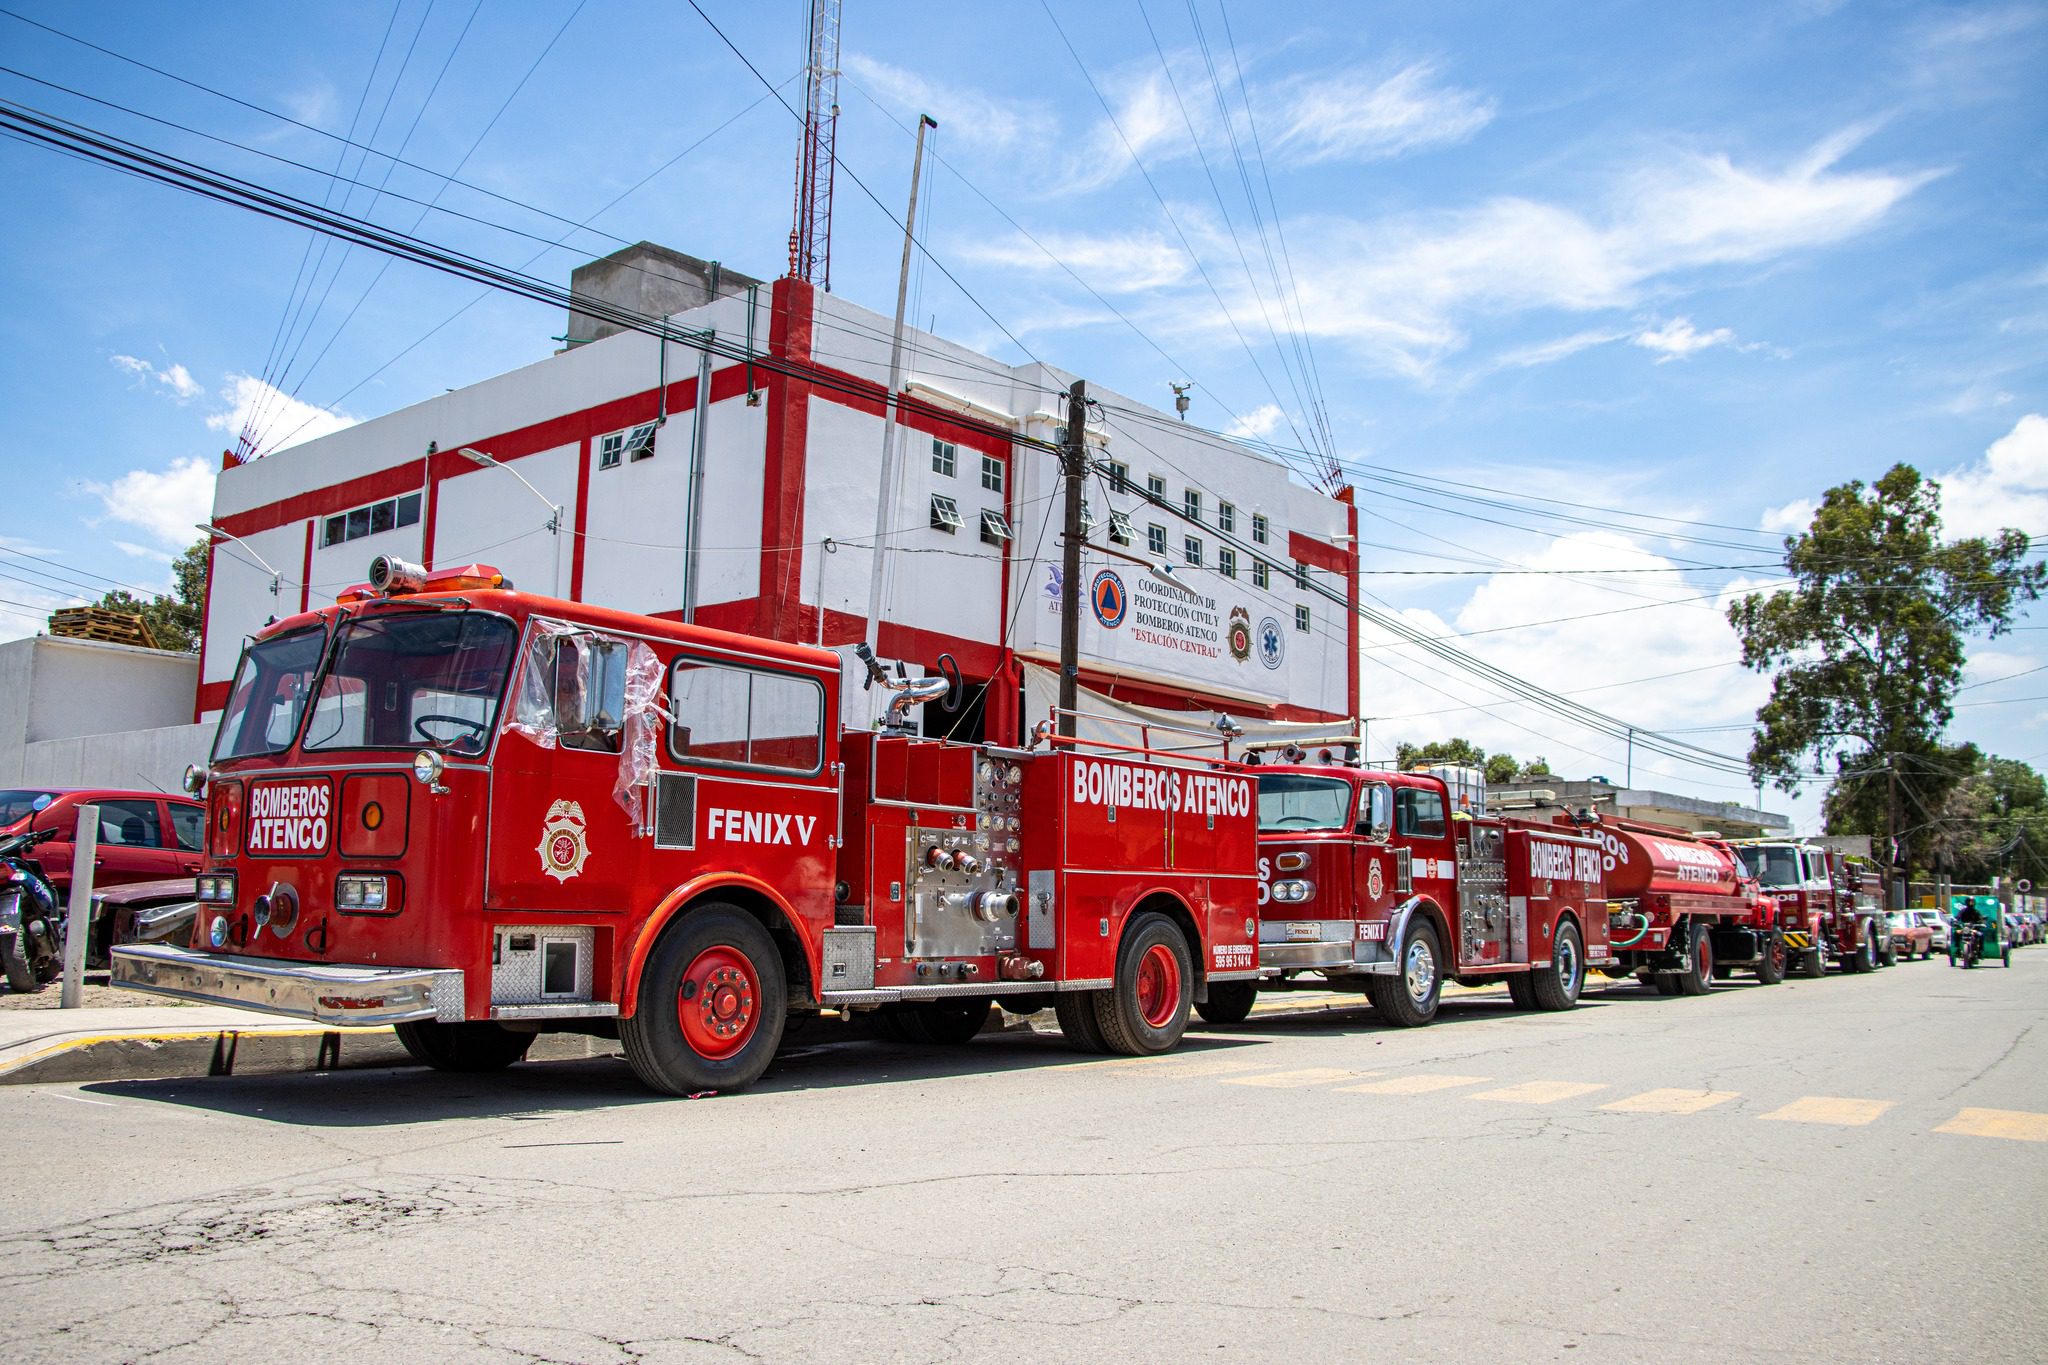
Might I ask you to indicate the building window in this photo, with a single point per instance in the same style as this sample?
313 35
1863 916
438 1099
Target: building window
991 473
1191 549
945 514
1119 475
1155 541
1259 574
1120 528
636 443
1301 618
1301 575
1191 503
1226 518
378 517
995 529
1155 484
1258 528
1226 562
943 455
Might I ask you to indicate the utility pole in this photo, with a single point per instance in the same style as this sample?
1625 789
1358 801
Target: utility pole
885 496
1074 467
1891 825
1629 779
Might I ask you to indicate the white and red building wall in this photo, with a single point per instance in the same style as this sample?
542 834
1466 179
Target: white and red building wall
789 482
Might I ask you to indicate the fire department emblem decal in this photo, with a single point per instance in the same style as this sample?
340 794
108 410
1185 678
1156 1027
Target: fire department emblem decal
562 845
1240 637
1375 882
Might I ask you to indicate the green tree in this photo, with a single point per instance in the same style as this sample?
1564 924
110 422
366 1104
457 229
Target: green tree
1867 649
179 620
1497 767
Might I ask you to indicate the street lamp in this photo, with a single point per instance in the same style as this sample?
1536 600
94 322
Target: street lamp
276 578
555 509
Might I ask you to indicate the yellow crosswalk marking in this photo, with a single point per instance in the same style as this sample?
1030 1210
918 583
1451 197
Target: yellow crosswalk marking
1171 1065
1414 1085
1830 1109
2016 1124
1311 1075
1671 1101
1538 1092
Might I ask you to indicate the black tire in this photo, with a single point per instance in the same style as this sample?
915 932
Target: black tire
1664 983
478 1046
1722 971
2007 958
1813 963
1698 975
1409 999
1229 1002
1075 1011
942 1023
705 945
1771 960
1557 986
1146 1011
1891 953
1521 992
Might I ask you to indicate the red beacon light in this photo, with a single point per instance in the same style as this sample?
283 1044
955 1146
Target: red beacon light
391 576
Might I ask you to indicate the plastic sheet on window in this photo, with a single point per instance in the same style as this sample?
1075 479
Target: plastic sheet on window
533 710
645 716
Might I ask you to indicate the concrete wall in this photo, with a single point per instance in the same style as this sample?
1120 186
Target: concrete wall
649 279
82 713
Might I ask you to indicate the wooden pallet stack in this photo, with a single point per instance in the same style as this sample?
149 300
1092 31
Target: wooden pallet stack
98 623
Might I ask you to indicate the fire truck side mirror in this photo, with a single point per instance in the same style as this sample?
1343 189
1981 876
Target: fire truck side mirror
1376 811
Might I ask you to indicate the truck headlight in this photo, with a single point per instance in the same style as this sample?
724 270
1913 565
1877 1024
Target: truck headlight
216 888
1293 891
427 766
359 891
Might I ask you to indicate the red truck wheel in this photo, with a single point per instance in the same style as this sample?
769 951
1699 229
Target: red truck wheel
1771 961
1697 977
712 1005
1229 1002
1146 1011
478 1046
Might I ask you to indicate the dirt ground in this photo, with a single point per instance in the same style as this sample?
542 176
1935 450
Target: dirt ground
97 994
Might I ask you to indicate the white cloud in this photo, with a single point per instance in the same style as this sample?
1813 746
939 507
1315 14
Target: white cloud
2008 487
167 503
1128 262
174 377
1350 116
1675 670
966 115
1677 339
1261 421
1549 352
276 419
1794 517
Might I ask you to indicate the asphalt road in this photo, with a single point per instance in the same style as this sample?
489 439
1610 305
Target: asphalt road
1849 1169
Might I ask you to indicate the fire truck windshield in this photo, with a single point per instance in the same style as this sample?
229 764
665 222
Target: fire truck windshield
425 678
1297 801
269 695
1772 865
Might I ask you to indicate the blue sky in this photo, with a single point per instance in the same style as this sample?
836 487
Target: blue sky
1694 262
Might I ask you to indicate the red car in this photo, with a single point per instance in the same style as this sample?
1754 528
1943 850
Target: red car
144 836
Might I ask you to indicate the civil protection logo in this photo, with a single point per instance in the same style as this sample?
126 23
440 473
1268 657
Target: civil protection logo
1239 637
563 847
1106 594
1272 642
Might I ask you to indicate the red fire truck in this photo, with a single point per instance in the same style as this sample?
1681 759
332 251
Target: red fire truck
1686 910
479 815
1377 881
1832 904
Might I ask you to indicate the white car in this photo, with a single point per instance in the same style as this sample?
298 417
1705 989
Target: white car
1934 920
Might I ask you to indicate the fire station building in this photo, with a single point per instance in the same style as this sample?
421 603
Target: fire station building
656 477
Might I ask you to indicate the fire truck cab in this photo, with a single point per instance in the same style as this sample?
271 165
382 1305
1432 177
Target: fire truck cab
1393 883
1830 910
478 814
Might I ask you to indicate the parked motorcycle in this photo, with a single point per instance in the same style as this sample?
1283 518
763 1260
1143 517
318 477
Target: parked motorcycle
31 929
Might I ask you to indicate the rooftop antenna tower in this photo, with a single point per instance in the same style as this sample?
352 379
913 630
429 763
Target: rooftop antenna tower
810 235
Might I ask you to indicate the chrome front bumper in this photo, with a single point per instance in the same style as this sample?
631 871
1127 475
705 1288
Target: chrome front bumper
321 993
